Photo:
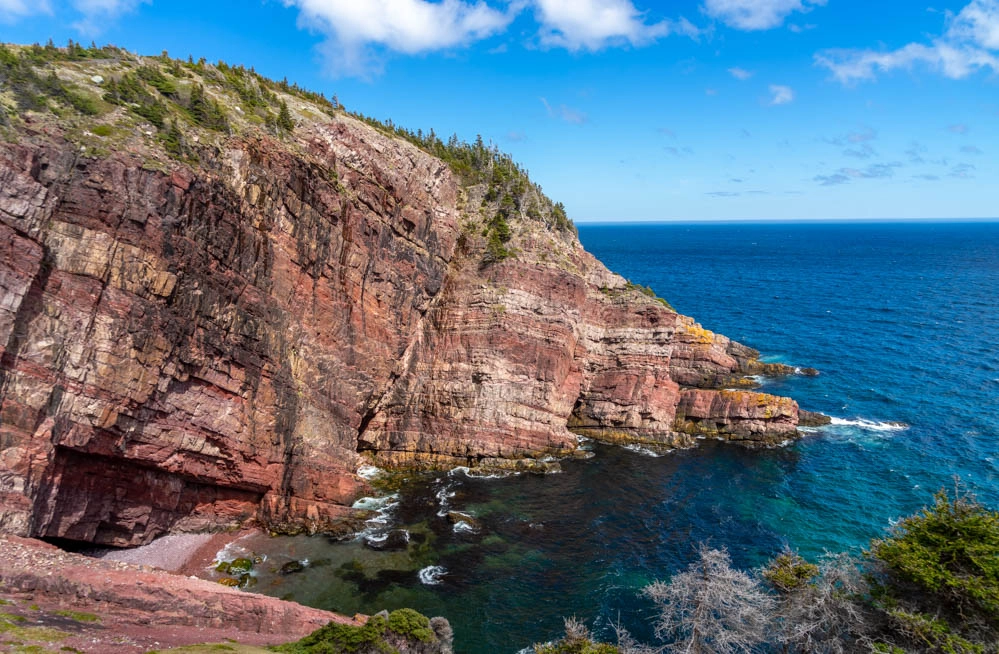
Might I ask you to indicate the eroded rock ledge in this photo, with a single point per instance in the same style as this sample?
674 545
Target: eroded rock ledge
189 347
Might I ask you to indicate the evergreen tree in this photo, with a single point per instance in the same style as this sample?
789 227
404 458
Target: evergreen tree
284 120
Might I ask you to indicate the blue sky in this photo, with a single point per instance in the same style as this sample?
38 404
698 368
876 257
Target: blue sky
633 109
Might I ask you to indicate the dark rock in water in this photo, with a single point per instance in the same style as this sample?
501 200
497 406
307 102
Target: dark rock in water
291 567
808 372
812 419
240 566
395 540
457 517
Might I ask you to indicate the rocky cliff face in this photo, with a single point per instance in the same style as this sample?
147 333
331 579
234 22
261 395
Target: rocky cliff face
192 345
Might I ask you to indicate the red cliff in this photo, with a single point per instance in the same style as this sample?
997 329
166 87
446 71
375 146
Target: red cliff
191 345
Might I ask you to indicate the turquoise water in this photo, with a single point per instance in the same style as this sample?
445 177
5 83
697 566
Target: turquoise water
902 321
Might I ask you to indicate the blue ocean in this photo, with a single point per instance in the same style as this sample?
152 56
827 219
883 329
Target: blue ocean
902 320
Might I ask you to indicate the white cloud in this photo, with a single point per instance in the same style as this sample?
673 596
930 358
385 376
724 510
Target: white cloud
562 112
740 73
978 23
97 13
781 94
756 14
594 24
405 26
11 10
969 44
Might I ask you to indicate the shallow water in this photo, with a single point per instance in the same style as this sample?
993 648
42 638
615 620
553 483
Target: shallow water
903 324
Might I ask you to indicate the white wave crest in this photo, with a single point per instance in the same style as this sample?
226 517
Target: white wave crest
870 425
473 473
462 527
645 451
432 575
375 503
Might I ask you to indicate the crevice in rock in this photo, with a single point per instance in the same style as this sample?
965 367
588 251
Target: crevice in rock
31 307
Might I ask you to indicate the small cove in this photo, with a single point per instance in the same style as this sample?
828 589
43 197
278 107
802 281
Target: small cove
899 318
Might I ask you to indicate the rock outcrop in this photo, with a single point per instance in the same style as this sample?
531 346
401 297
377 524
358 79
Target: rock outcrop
188 346
56 599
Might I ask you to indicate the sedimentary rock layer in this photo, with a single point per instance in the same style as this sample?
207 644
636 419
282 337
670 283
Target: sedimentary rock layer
190 346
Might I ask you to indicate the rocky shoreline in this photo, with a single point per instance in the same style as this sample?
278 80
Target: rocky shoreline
53 598
197 340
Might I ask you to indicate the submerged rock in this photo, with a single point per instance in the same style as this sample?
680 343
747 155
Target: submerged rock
812 419
291 567
463 522
395 540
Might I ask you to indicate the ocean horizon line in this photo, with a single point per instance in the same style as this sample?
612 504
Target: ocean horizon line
789 221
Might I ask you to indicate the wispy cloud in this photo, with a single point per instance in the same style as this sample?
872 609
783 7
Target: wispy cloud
355 31
780 94
846 175
864 151
969 44
857 143
971 149
740 73
962 171
679 152
862 136
12 10
960 128
756 14
915 152
562 112
595 24
798 29
98 13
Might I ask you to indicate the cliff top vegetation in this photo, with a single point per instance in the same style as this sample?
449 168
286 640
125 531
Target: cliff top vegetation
104 97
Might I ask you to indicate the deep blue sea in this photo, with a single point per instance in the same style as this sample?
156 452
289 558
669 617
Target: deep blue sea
902 320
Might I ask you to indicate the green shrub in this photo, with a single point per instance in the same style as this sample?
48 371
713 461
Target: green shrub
409 623
372 637
788 571
950 552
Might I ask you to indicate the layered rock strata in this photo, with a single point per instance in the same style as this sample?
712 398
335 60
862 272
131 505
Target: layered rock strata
191 346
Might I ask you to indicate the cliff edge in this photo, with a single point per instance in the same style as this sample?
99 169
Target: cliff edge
221 295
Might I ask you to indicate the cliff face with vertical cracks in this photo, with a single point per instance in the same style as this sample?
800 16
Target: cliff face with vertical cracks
192 345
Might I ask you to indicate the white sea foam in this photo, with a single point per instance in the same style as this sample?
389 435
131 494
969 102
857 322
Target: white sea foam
478 474
375 503
378 539
369 472
870 425
432 575
462 527
634 447
383 507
